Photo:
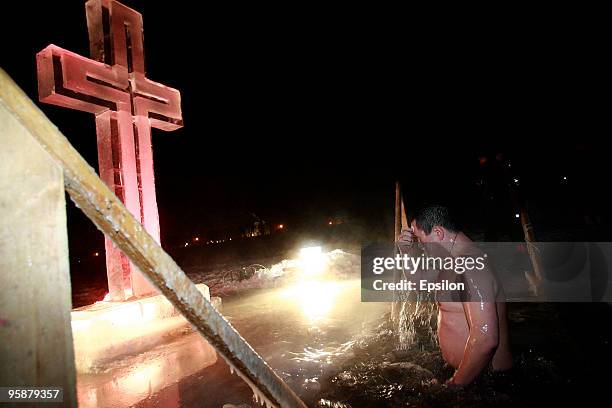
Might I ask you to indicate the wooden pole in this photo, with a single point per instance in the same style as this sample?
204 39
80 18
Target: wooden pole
398 209
401 222
404 217
109 214
36 348
534 279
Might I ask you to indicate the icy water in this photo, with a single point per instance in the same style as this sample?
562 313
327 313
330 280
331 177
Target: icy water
302 332
335 351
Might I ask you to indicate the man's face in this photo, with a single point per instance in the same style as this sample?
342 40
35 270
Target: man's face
433 236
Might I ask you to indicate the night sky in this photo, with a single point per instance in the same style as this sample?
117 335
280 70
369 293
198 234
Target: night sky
303 118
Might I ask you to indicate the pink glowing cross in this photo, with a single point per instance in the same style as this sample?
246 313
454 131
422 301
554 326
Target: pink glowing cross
126 105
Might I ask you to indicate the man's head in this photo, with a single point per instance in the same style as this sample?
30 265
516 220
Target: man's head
434 224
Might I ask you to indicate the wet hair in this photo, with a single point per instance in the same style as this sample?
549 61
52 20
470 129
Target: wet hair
432 215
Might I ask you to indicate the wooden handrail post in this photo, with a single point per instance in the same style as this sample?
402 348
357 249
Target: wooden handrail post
36 348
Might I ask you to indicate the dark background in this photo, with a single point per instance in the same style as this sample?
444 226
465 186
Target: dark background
310 116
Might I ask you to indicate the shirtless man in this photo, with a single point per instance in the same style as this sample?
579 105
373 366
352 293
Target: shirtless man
473 335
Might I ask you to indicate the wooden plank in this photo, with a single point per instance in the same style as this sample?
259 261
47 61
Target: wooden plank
534 279
108 213
398 214
401 223
36 347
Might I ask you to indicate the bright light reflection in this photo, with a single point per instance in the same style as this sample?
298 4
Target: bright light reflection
312 261
315 298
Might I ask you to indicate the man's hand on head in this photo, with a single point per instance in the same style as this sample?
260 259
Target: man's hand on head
406 239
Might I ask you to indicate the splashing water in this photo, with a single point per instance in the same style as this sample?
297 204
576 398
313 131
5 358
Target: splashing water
416 323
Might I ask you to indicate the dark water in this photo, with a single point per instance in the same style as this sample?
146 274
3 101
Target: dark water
562 357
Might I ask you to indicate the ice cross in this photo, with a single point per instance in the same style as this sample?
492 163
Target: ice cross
112 85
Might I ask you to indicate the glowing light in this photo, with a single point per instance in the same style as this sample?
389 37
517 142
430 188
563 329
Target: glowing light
186 244
312 261
564 178
143 378
96 254
281 226
517 215
196 239
330 223
315 298
80 324
125 316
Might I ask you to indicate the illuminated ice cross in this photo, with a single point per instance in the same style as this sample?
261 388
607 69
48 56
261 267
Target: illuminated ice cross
112 85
